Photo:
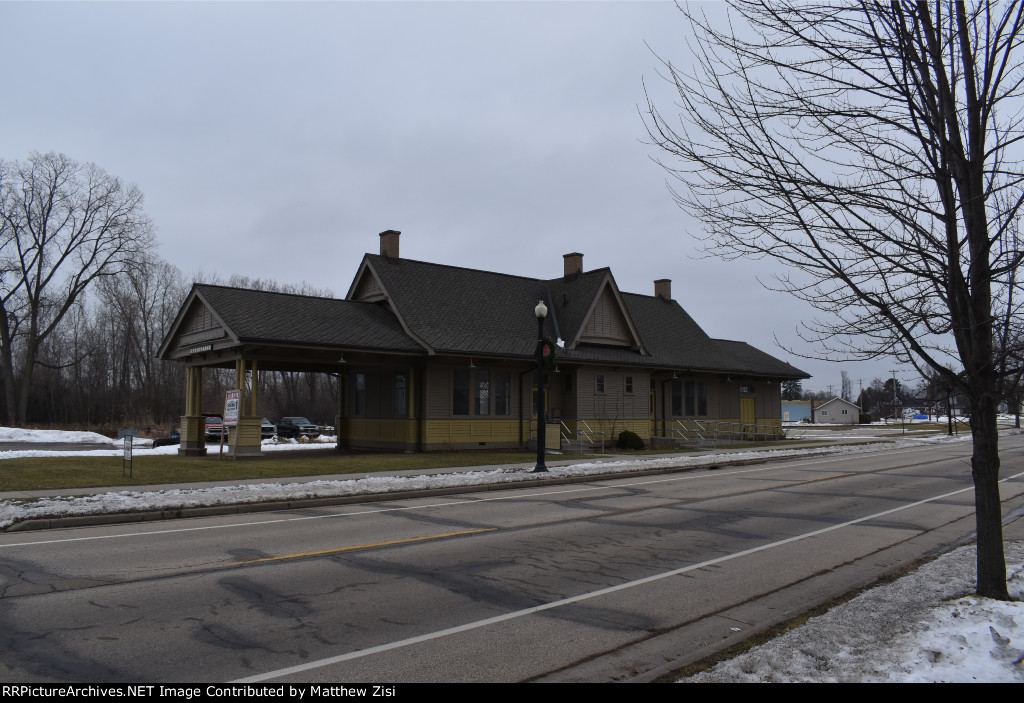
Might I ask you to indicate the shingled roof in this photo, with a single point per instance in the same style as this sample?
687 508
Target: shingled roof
468 311
261 317
422 308
743 357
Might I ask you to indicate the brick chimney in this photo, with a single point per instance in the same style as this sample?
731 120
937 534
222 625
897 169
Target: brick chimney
663 288
573 263
389 243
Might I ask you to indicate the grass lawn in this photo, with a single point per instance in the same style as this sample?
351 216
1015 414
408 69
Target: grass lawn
40 473
81 472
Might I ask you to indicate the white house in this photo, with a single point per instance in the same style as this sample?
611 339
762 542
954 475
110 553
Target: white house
837 412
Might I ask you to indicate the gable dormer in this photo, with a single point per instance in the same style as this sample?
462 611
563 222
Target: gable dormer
607 322
368 288
198 329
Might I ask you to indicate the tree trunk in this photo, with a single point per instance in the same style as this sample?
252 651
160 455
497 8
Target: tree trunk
987 505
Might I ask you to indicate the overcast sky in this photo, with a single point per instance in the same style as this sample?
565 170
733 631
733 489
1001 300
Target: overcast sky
276 140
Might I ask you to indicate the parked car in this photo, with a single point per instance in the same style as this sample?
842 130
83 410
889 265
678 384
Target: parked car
214 426
268 430
296 427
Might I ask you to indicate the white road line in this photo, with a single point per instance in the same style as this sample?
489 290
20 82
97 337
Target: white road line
519 496
584 596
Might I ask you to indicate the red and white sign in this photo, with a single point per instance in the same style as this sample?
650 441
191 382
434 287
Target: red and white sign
232 406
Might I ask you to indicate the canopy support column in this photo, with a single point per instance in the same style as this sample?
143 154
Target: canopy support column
193 424
245 439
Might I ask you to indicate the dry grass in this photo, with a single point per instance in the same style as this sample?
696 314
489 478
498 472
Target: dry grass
89 471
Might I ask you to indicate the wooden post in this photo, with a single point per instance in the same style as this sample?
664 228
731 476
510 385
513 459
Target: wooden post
193 424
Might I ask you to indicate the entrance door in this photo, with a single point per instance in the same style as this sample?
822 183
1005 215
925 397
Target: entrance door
748 416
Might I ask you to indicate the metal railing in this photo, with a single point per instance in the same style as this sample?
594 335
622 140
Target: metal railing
712 432
583 435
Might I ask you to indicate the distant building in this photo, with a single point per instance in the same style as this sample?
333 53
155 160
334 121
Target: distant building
796 410
837 412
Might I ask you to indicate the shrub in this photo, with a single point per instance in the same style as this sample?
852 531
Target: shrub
629 440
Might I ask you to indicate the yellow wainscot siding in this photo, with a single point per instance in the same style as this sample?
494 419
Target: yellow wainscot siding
459 433
378 432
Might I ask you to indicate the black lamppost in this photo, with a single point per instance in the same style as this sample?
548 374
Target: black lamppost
541 311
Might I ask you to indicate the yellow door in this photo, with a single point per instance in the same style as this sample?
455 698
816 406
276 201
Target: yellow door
748 415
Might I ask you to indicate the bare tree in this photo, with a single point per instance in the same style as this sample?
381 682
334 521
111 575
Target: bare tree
846 386
872 148
62 226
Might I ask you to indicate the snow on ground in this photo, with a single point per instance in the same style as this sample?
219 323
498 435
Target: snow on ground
924 627
141 447
16 434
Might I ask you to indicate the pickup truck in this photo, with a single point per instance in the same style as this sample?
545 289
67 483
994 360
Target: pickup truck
296 427
214 427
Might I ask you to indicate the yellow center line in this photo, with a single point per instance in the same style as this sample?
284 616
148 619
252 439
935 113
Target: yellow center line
363 546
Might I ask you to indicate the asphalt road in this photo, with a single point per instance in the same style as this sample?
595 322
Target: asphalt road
619 580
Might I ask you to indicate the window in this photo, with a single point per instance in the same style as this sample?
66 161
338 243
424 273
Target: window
677 398
400 397
502 393
600 383
824 412
629 384
483 393
845 411
695 397
360 402
746 389
460 392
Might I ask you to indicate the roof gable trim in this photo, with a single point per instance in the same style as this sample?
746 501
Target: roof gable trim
185 339
365 275
608 284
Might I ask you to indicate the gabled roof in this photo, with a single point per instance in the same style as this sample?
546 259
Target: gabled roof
743 357
838 401
452 309
252 316
607 320
459 310
415 307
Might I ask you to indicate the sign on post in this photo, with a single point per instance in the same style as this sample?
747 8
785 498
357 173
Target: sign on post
232 407
127 463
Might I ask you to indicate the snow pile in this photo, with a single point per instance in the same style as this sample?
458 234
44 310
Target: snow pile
17 434
921 628
173 499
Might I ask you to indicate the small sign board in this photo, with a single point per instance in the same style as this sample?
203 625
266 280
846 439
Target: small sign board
127 464
232 406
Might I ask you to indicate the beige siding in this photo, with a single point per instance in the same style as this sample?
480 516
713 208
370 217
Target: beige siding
614 402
